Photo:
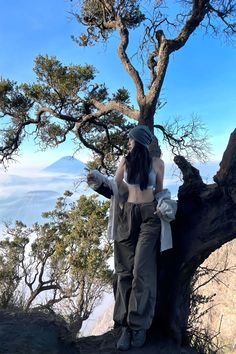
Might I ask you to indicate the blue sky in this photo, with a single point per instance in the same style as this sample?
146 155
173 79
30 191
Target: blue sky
201 78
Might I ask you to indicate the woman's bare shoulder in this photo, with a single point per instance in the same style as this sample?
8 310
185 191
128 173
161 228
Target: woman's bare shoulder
157 162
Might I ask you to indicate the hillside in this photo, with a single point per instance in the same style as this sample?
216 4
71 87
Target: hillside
221 318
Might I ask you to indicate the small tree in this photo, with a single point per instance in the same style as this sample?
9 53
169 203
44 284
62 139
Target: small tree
64 259
11 257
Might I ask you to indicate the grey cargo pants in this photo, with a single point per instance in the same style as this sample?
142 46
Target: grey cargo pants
136 248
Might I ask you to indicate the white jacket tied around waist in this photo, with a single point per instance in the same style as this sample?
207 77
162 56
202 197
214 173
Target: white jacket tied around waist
168 208
165 205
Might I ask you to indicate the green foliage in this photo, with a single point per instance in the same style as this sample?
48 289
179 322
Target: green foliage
65 258
97 14
12 254
65 80
78 234
57 83
56 92
12 100
51 107
122 95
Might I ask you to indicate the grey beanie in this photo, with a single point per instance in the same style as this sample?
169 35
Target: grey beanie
141 134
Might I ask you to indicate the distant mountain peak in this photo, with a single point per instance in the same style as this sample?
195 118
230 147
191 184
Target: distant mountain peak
67 158
67 165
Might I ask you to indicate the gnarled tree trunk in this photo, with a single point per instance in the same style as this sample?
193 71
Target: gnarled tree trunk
205 220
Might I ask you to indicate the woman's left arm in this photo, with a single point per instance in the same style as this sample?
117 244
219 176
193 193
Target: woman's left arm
159 168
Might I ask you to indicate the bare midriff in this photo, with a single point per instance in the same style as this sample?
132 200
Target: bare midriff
137 196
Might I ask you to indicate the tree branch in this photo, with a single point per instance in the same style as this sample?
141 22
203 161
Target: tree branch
227 172
104 109
43 110
190 173
124 34
199 10
157 76
228 9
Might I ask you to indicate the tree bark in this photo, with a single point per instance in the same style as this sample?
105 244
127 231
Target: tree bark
205 220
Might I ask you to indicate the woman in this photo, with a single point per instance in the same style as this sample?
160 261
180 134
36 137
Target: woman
137 237
137 240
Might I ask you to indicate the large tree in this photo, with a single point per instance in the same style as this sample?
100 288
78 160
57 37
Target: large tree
67 99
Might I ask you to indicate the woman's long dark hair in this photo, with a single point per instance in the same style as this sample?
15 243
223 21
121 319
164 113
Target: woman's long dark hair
138 164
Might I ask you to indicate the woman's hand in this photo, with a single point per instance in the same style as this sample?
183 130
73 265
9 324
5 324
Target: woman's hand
158 212
90 178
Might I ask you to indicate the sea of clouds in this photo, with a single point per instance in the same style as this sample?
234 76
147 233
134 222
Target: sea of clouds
27 193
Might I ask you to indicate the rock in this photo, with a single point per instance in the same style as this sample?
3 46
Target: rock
33 333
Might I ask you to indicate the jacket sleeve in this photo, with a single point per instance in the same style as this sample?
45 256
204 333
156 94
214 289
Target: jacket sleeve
104 190
101 184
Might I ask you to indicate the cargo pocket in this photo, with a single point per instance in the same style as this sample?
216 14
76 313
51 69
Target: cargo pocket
124 224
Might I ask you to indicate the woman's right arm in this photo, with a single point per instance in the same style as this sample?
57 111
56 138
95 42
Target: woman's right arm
99 183
120 172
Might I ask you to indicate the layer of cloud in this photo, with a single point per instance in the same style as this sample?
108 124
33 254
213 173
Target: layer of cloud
28 193
25 195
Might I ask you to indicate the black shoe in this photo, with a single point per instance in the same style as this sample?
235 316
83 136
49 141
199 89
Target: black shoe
123 342
138 338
